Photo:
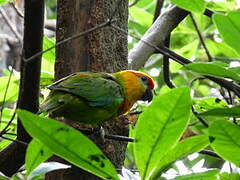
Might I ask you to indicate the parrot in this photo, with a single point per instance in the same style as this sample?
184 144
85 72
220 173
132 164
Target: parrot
96 97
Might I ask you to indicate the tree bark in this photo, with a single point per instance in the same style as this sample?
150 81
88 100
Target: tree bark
102 50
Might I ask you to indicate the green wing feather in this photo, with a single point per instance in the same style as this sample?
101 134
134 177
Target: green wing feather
85 97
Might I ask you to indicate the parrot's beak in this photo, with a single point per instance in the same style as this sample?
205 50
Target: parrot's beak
148 95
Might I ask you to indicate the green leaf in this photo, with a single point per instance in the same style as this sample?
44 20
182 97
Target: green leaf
213 69
183 148
223 112
191 5
68 143
36 154
226 140
232 176
208 103
156 131
48 57
12 91
46 79
229 28
208 175
141 16
3 2
45 168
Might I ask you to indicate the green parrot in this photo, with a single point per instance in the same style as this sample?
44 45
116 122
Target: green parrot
94 98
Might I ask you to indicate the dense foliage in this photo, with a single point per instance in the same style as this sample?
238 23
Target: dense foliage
189 132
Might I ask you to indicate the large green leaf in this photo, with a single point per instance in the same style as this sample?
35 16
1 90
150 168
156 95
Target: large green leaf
183 148
229 28
68 143
213 69
208 175
225 138
36 154
191 5
160 127
223 112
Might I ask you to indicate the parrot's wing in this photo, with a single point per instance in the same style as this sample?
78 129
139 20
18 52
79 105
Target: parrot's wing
98 89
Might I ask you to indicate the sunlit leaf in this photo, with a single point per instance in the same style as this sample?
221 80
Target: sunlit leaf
225 137
3 2
183 148
156 131
232 176
192 5
229 28
222 112
36 154
12 91
208 103
213 69
141 16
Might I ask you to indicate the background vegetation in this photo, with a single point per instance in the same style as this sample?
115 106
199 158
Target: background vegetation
190 130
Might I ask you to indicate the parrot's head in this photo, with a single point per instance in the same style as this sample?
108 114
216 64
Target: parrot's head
136 85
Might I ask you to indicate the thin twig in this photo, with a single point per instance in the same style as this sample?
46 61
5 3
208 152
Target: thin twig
159 5
133 3
226 58
231 102
7 20
8 124
19 13
201 38
12 134
119 138
107 23
210 153
5 94
166 72
14 140
199 118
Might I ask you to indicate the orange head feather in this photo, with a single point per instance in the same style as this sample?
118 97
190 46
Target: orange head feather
137 86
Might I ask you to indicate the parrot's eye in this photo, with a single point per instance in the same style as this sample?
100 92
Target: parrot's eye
144 79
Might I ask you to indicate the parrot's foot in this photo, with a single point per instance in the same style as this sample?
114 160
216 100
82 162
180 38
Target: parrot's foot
100 133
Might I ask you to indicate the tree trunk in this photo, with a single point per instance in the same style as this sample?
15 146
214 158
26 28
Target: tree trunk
102 50
13 156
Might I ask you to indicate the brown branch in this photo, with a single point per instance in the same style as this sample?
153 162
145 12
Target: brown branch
156 35
12 157
201 38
